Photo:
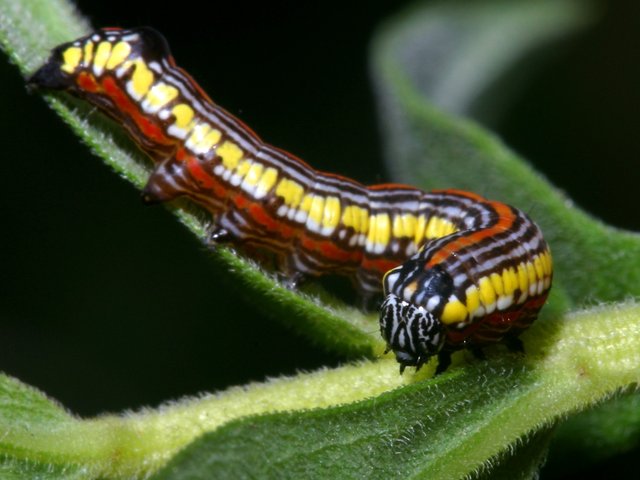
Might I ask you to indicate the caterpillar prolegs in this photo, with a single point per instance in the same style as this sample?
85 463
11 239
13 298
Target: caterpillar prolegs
460 271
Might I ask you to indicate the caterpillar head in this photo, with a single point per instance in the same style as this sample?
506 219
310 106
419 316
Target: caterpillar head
410 314
413 333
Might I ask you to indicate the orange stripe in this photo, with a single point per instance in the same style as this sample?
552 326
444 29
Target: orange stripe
87 82
146 126
380 265
506 219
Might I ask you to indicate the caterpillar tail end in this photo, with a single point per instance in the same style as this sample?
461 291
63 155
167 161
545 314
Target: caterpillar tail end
49 77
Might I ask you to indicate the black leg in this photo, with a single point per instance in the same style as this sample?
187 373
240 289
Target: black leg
444 360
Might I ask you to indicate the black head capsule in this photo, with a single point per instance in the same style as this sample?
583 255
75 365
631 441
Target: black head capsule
413 333
410 314
51 75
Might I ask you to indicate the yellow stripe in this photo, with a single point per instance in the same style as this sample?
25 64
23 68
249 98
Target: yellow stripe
398 227
537 264
119 53
88 53
267 181
454 311
544 257
496 282
211 139
473 299
409 221
197 135
230 154
290 191
438 228
142 79
254 174
183 115
356 217
316 210
531 272
331 216
509 280
71 58
102 55
383 229
404 225
243 168
487 292
379 229
523 278
307 200
161 94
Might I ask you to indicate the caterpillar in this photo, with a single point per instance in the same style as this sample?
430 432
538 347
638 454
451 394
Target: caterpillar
460 271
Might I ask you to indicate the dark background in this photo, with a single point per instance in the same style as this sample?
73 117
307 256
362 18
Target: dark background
108 305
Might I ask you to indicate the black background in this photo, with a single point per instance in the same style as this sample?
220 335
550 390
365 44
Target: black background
108 305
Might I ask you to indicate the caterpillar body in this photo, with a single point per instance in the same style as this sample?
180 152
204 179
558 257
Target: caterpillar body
461 271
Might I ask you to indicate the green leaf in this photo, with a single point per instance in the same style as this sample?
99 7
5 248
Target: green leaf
23 412
455 53
523 461
597 434
19 470
447 427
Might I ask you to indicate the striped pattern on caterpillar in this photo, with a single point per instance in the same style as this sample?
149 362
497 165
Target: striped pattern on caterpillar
461 271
